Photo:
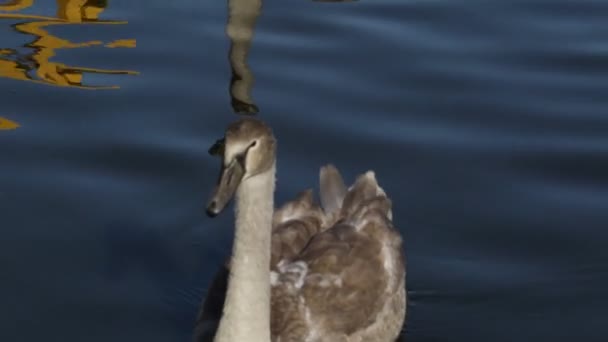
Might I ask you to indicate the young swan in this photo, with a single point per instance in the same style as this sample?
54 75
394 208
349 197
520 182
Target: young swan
303 273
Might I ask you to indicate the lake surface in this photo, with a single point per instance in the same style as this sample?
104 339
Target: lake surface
486 121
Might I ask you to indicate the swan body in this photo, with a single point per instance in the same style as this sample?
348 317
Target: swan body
303 272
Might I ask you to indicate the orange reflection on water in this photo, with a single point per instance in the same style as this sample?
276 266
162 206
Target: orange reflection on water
6 124
15 5
37 64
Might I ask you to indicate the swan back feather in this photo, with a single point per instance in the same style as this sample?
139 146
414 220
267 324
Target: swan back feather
353 261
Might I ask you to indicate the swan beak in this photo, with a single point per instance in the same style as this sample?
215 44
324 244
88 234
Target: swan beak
229 181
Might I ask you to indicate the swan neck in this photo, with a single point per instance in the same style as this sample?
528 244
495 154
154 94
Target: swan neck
246 315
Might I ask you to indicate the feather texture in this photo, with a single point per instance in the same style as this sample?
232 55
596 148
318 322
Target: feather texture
338 272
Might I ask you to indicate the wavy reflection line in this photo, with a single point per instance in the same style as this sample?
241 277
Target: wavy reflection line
16 5
36 65
240 28
57 73
242 16
6 124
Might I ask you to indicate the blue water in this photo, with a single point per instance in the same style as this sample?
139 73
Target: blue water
485 121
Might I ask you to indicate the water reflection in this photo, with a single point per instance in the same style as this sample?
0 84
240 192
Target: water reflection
242 16
16 5
6 124
35 64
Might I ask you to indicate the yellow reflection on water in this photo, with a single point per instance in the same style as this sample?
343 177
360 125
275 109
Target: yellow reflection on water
6 124
16 5
37 64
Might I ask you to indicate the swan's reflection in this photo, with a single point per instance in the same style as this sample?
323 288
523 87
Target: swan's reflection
242 16
35 64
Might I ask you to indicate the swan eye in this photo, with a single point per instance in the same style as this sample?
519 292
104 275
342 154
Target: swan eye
240 158
254 143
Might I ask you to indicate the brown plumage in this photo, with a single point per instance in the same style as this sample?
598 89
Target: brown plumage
337 271
345 279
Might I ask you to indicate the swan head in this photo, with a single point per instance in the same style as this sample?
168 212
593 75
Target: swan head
247 149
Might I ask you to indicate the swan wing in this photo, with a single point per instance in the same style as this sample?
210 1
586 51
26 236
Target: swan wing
346 278
294 224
